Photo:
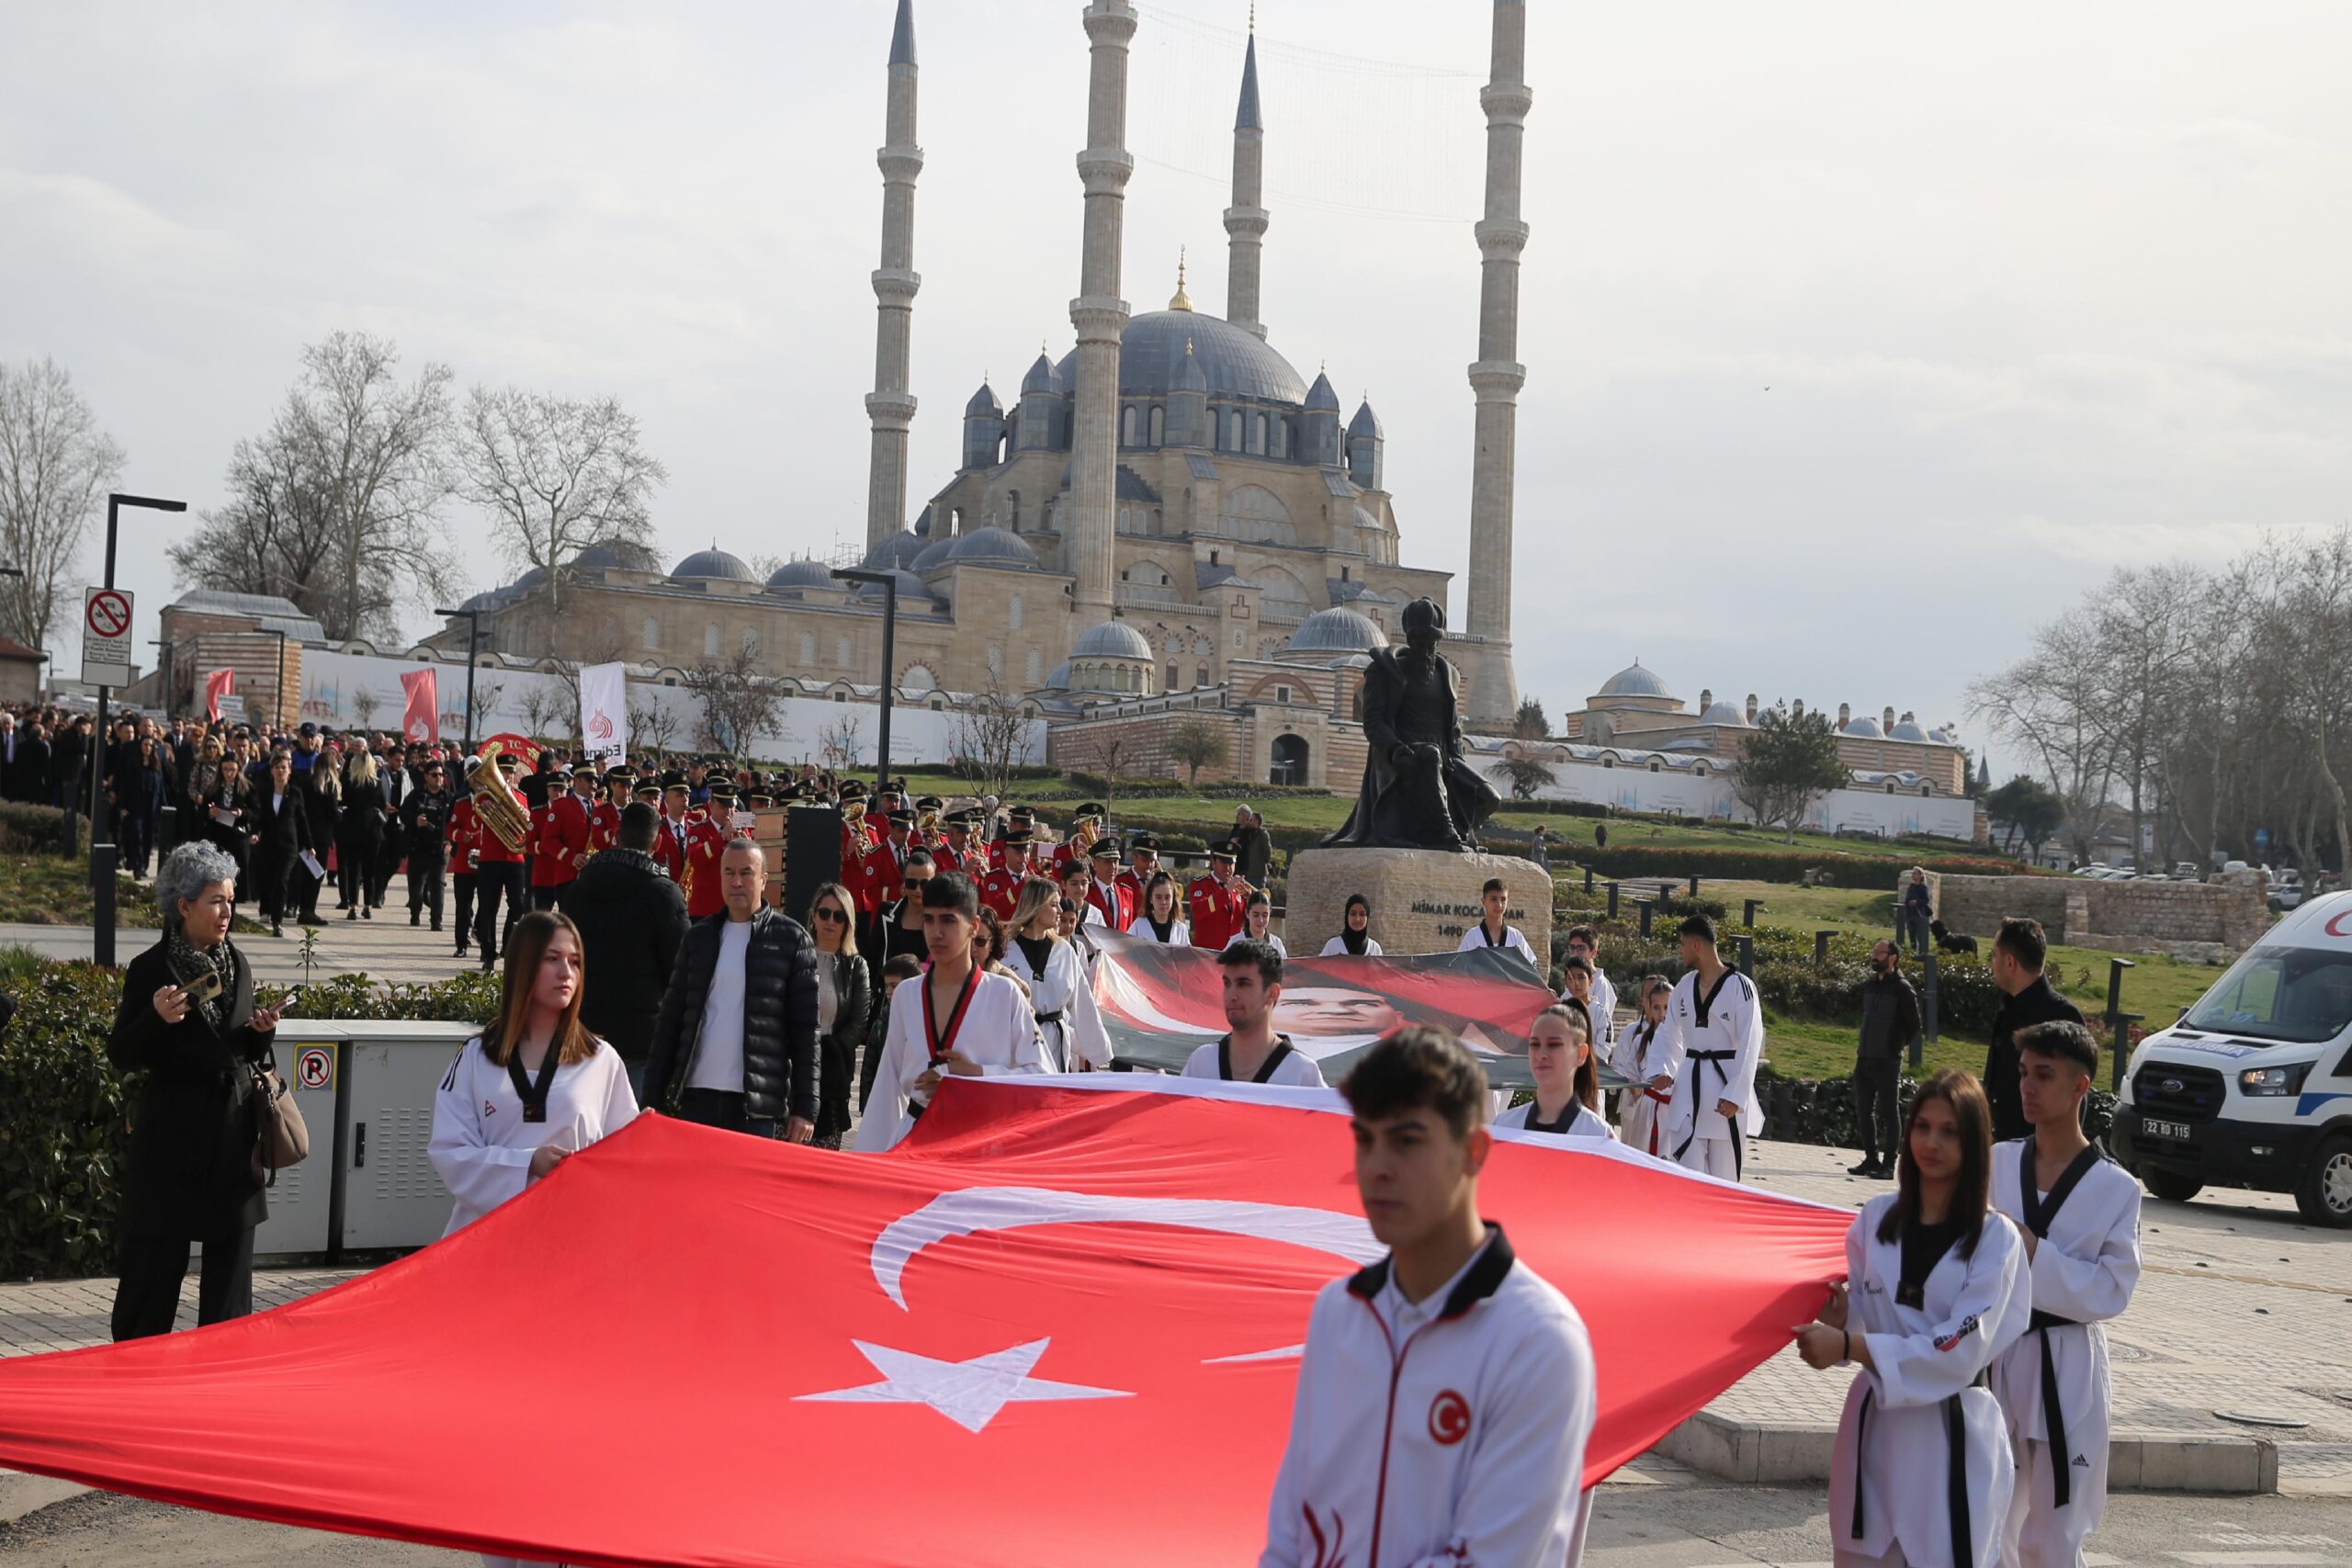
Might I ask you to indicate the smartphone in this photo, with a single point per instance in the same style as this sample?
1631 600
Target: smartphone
201 991
292 999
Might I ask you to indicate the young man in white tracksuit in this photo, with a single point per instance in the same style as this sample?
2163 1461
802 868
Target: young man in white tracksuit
1446 1393
1716 1022
2079 1212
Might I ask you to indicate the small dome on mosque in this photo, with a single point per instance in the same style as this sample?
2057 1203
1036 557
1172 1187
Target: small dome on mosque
1906 731
1112 639
898 550
528 581
802 574
1365 423
913 593
984 403
1864 728
1058 680
1726 714
934 554
1336 630
618 557
1320 397
714 563
1041 377
1634 682
993 546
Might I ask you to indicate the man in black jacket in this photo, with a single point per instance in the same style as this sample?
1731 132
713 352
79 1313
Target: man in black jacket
1890 1022
2027 999
422 841
736 1044
632 920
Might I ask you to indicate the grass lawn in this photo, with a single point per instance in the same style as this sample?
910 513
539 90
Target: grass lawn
47 890
1799 1048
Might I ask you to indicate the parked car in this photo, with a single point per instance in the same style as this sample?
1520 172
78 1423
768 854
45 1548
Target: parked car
2287 889
2252 1087
2186 871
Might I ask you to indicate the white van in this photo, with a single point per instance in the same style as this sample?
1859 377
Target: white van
2252 1087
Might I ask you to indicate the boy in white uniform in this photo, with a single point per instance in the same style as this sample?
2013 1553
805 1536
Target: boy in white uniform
1491 930
1251 1052
2080 1215
1470 1448
955 1019
1715 1023
1584 942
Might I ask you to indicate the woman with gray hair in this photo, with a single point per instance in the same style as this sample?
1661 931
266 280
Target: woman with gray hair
187 1022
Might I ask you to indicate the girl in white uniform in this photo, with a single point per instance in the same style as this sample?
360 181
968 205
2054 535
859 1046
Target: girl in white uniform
1936 1292
1649 1060
1256 917
1162 919
1059 992
1567 1085
1355 939
529 1091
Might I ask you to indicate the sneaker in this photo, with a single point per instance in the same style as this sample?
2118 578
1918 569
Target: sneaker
276 929
1868 1168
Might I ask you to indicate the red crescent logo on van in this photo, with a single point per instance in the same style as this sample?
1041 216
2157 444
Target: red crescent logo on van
2335 923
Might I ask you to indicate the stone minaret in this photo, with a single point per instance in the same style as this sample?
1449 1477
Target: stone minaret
1098 313
890 406
1492 698
1245 220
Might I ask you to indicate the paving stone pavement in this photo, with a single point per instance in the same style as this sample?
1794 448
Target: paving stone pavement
2241 1308
387 948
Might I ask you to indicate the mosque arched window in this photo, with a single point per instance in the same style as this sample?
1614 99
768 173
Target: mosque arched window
1282 435
1175 677
1201 674
1258 435
710 640
653 631
808 648
1031 669
1159 425
1233 430
1013 612
1127 425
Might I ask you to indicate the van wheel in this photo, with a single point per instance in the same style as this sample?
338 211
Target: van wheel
2324 1195
2170 1187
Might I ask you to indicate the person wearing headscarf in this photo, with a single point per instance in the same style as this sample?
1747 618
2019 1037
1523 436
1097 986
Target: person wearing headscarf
1355 939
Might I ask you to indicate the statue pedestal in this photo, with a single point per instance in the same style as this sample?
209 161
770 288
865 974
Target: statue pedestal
1423 901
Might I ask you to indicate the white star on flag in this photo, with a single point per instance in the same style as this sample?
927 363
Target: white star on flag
967 1392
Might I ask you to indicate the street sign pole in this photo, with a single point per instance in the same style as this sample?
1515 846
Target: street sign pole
99 610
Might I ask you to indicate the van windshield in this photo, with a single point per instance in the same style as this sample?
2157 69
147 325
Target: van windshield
2295 995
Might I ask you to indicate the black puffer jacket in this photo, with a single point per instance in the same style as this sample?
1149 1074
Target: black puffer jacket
779 1018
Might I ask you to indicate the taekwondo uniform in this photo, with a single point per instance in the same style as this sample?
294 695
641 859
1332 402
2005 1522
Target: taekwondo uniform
1604 1011
1719 1037
1063 1000
1446 1431
488 1120
1285 1064
993 1025
2053 1384
1578 1122
1923 1469
1512 938
1644 1051
1180 930
1270 939
1338 948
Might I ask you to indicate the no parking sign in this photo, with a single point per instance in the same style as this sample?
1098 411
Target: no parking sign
314 1067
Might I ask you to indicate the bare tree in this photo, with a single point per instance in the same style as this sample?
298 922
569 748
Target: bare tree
739 703
364 703
55 464
336 506
1196 743
652 723
2049 703
556 475
985 738
543 708
841 743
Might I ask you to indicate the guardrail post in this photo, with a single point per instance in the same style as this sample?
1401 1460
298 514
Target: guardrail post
2119 1022
1927 1005
1694 886
1748 918
1747 955
1643 907
1821 948
1613 900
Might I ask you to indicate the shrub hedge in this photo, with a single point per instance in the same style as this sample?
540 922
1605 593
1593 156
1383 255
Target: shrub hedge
26 829
1880 872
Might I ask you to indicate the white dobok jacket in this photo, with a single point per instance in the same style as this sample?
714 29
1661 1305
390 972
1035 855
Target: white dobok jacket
1063 1000
999 1031
1643 1053
1922 1440
481 1147
1446 1436
1716 1038
1579 1122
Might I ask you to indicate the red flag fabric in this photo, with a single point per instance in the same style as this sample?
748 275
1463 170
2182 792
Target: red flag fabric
1057 1325
218 684
421 718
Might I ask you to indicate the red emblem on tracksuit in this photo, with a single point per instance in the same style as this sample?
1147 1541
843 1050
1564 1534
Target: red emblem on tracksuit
1449 1418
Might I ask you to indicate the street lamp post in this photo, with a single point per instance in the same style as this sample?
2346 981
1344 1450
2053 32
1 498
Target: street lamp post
102 850
474 645
890 584
278 691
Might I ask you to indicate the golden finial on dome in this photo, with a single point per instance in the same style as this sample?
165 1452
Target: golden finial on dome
1182 301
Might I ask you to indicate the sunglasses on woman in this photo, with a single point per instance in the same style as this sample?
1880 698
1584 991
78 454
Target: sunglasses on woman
829 914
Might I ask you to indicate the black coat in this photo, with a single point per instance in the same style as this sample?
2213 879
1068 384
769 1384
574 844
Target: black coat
837 1052
189 1174
2038 1003
632 920
363 815
319 803
779 1018
27 777
285 833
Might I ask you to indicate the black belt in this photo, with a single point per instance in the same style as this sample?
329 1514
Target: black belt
1722 1075
1963 1535
2054 1411
1053 1016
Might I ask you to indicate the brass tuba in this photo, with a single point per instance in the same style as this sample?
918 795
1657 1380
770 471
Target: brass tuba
497 807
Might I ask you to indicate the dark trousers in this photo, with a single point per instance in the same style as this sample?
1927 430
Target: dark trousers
425 886
147 1299
717 1108
498 878
465 880
1874 1093
387 861
549 897
274 873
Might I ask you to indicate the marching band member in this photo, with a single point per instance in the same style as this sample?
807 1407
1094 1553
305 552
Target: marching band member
1646 1055
1715 1024
670 842
707 835
1936 1292
1084 829
1492 931
1446 1393
2080 1214
955 850
463 832
500 862
1567 1085
1162 919
1355 939
1143 864
885 861
604 816
1000 889
1059 991
955 1019
1249 1051
1112 898
1215 902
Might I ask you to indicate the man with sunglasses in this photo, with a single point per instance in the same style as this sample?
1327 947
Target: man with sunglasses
897 926
423 826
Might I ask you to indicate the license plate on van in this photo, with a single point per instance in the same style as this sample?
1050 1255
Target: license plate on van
2177 1130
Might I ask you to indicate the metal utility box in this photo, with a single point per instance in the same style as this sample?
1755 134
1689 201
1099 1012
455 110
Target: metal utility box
301 1205
391 1195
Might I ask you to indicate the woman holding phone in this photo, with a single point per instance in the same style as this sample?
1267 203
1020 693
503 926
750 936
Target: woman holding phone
187 1020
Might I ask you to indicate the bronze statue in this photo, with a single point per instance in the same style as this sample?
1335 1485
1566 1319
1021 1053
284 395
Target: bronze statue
1418 793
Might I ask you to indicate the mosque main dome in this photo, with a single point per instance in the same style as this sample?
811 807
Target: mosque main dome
1237 363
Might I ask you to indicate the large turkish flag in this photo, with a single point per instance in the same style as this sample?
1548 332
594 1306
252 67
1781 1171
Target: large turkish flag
1050 1328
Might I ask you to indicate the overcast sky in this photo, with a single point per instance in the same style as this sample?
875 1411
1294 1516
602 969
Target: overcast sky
1858 337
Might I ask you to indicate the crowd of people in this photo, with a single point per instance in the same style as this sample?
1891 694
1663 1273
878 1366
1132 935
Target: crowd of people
648 967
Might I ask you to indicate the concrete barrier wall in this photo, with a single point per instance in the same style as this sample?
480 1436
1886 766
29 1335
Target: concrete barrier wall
2204 920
